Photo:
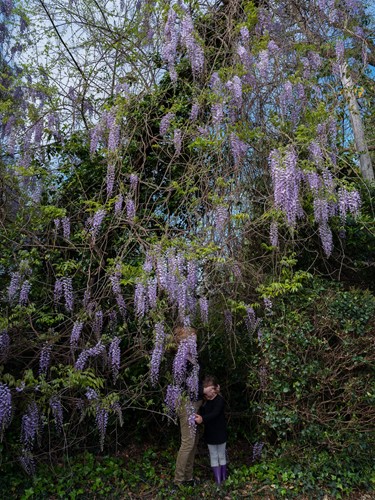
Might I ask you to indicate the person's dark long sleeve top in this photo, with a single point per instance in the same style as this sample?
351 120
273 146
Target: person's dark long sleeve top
215 428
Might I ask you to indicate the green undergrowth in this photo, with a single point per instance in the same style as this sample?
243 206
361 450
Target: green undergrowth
146 472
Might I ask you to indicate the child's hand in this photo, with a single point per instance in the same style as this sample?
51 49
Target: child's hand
198 419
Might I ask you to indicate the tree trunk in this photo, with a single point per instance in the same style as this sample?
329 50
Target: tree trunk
357 124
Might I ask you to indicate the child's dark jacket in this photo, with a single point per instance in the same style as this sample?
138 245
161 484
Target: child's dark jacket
215 427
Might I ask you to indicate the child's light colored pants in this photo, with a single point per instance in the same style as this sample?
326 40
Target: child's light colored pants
217 454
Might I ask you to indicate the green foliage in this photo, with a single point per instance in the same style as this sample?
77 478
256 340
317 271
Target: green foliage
145 471
316 360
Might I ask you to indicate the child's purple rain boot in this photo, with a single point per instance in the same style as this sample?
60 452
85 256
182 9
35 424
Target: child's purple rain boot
224 472
217 473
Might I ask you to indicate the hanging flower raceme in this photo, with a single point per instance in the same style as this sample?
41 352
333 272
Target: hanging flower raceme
349 202
194 112
118 204
113 130
65 222
97 325
228 321
45 358
235 88
250 319
169 49
14 286
274 235
4 345
57 412
239 148
140 300
110 179
101 418
94 223
5 408
177 140
173 398
24 293
286 177
157 353
186 354
194 50
134 181
165 123
68 293
27 462
114 357
75 335
30 426
95 351
263 64
203 306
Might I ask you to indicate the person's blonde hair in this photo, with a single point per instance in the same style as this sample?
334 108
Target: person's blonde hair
183 332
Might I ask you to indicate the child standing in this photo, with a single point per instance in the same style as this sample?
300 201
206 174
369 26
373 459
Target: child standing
215 428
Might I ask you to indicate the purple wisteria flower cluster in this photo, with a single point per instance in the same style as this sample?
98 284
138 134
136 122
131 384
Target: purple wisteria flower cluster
19 287
110 178
4 345
165 123
5 408
239 148
250 319
157 353
27 462
116 288
97 324
292 101
228 321
75 335
101 419
204 307
91 394
169 50
173 398
94 223
57 412
257 451
193 49
114 357
176 276
64 224
45 358
109 127
287 178
274 234
91 352
184 388
267 305
30 426
64 287
24 293
118 204
181 30
187 356
130 209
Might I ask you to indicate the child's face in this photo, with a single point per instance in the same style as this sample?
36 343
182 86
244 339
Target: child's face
211 392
